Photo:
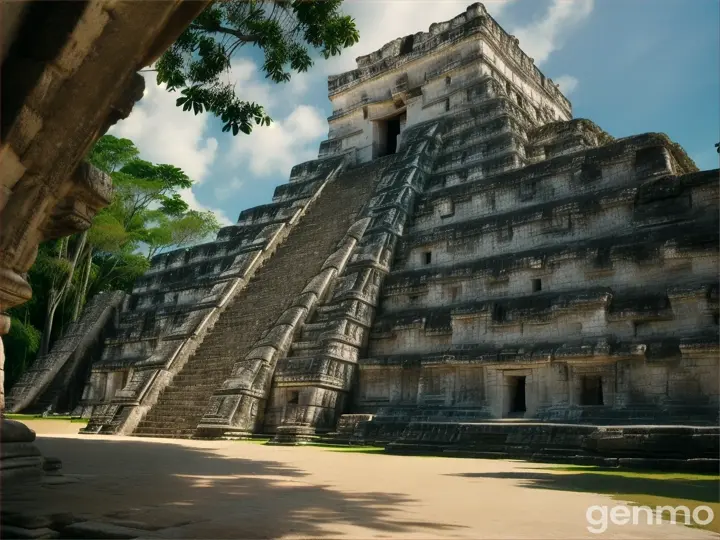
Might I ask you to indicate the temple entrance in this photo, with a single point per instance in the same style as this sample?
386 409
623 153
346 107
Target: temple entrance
516 387
591 392
388 132
393 131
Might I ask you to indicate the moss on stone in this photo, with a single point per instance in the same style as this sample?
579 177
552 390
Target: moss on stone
686 163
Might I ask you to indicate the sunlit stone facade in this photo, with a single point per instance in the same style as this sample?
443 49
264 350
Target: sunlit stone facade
462 250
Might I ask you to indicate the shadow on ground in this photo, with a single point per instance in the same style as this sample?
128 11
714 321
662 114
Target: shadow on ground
653 489
160 485
673 486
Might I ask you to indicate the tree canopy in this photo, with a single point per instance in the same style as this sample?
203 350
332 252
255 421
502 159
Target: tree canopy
285 31
146 215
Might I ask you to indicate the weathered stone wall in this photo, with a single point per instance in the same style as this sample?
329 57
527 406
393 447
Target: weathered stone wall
511 262
541 253
650 447
48 380
59 94
175 304
320 371
458 63
604 269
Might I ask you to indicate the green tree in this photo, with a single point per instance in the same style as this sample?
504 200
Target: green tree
60 268
21 344
178 231
110 153
107 235
146 215
140 185
285 31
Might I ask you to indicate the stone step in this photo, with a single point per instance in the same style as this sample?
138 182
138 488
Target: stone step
177 410
175 403
182 397
213 367
209 378
169 421
313 327
185 397
188 381
210 370
256 308
302 347
211 364
169 433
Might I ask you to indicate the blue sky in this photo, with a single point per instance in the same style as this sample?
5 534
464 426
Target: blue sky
631 66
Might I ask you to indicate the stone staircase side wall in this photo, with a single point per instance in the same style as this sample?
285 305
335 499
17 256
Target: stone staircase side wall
146 379
237 407
71 348
329 369
674 447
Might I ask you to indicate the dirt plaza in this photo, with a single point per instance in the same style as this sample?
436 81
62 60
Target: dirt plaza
157 488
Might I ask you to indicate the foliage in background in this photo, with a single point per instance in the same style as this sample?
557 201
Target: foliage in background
146 216
21 344
284 31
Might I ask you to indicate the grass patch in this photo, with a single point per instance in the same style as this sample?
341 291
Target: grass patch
351 449
32 417
630 473
639 488
645 488
324 446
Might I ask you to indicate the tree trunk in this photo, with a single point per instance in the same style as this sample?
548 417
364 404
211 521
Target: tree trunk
47 329
80 297
57 295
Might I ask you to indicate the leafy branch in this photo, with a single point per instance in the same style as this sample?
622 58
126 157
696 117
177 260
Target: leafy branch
285 31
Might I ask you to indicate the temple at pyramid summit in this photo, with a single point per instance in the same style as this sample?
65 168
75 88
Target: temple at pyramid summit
464 260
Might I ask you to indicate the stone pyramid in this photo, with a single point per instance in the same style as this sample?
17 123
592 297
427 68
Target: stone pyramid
462 250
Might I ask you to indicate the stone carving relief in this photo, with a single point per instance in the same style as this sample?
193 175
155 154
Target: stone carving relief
59 95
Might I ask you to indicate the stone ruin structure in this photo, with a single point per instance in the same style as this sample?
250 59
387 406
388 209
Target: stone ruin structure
69 72
462 252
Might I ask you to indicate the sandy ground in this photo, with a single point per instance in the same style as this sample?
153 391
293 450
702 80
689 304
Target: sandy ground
223 489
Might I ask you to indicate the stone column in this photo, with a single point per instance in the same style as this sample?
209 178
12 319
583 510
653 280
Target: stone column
60 96
4 329
33 214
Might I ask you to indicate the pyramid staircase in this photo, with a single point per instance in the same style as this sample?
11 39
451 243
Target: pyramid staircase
270 292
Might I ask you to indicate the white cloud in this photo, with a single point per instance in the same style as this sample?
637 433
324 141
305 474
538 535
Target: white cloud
567 84
275 149
542 37
380 22
165 133
189 197
225 189
250 84
299 83
388 20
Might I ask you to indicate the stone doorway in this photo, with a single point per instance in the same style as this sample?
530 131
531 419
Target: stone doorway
517 405
388 131
591 391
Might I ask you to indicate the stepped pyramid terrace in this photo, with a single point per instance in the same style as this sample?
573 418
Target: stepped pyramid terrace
464 266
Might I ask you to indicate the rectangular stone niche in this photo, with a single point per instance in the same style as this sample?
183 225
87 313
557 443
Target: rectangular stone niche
388 134
517 398
591 391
